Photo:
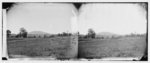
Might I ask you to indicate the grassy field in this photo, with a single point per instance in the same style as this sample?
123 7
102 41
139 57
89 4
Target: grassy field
40 47
88 48
115 47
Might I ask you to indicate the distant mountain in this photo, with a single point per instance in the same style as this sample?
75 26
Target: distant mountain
38 33
106 34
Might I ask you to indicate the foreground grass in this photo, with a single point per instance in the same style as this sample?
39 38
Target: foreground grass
116 47
60 47
39 47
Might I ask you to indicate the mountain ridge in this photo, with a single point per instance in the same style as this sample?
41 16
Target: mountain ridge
106 34
39 33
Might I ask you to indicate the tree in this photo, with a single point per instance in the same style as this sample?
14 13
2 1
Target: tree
34 36
64 34
91 33
39 36
45 36
8 33
23 32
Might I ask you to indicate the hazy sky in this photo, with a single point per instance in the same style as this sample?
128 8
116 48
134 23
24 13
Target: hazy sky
57 18
49 17
115 18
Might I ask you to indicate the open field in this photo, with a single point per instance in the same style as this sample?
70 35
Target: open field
119 47
88 48
40 47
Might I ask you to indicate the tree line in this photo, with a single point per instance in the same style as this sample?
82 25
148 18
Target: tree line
23 33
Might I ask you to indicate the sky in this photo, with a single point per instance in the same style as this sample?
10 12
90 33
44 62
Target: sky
56 18
115 18
50 17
